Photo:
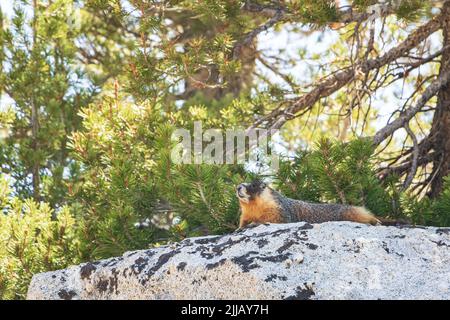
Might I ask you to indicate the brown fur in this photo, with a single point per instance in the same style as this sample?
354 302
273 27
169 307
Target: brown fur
262 209
261 204
360 214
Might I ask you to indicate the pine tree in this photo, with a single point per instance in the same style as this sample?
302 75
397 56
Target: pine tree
46 74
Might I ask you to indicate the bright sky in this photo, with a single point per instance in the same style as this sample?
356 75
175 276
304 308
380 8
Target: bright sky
7 6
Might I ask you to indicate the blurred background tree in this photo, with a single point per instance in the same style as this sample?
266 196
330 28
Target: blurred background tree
91 91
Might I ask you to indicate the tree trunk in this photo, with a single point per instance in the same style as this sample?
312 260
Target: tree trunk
440 130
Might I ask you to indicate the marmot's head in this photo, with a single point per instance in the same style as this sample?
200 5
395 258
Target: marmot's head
247 192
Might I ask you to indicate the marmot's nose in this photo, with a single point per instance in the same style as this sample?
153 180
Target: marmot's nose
240 187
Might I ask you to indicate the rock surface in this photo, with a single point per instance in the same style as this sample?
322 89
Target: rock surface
333 260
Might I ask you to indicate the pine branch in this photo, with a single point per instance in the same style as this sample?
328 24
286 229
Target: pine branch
276 15
408 114
336 81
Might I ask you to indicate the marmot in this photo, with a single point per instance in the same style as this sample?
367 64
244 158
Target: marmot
260 204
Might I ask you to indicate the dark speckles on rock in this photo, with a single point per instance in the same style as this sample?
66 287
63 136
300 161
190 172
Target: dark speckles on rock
111 262
302 293
275 233
163 259
279 232
66 294
126 272
86 270
301 235
246 262
274 271
150 253
139 265
129 254
385 247
353 247
272 277
181 266
109 284
398 236
388 250
261 243
306 226
207 240
217 249
102 285
441 243
204 252
113 281
186 242
443 231
276 258
210 266
286 245
312 246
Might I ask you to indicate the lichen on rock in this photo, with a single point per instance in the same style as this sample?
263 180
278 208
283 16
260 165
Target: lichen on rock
333 260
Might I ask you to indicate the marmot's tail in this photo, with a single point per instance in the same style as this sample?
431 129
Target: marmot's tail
362 215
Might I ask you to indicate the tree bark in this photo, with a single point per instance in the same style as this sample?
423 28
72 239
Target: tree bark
440 130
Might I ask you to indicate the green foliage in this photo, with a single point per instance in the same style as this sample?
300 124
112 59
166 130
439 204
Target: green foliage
116 149
48 83
295 180
431 212
202 195
441 206
411 9
33 238
204 198
336 172
125 151
318 12
363 4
